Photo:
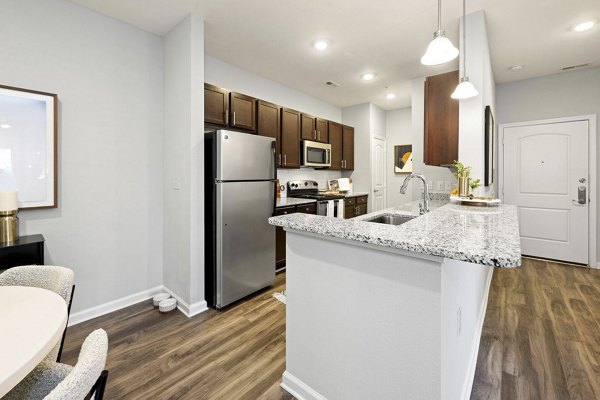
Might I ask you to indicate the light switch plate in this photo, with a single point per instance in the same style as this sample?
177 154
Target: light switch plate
430 185
448 185
439 186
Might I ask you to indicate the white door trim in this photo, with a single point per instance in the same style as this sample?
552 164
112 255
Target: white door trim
384 140
593 179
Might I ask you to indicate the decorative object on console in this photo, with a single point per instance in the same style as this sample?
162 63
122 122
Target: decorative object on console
403 162
9 222
28 119
463 174
490 128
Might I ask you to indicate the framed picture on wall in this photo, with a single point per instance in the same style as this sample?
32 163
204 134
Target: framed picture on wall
403 161
489 147
28 135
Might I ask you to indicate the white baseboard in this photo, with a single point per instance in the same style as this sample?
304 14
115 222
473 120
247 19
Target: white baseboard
598 265
299 389
111 306
187 309
102 309
468 384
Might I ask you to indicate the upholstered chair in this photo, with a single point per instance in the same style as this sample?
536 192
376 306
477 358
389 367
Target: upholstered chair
56 279
55 381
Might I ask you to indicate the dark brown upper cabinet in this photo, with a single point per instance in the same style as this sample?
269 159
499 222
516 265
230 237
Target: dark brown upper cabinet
441 120
268 121
242 111
216 105
347 147
322 129
290 138
335 140
309 130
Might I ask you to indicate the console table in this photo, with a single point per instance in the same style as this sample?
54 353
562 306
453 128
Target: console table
28 250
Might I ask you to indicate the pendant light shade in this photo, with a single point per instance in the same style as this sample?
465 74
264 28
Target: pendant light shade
440 50
464 90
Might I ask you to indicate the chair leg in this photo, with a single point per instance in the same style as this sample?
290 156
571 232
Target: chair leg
101 385
62 341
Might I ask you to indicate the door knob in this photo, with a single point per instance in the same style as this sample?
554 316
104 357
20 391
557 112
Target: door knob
582 180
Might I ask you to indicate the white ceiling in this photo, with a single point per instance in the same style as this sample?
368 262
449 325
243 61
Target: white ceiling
273 38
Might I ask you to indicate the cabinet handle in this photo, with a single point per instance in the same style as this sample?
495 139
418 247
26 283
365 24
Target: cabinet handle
319 136
234 118
226 117
285 159
315 133
279 159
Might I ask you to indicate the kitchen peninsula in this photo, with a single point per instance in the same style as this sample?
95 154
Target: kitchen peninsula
385 311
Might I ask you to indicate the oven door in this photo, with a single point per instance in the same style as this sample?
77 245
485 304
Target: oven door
315 154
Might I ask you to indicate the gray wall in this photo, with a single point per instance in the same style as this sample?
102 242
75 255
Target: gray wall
108 77
561 95
398 126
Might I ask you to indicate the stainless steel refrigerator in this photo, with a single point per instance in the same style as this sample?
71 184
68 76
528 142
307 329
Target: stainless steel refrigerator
240 179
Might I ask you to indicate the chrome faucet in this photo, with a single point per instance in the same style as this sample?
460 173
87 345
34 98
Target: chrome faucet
423 208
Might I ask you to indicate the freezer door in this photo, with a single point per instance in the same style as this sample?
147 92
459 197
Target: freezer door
245 240
244 157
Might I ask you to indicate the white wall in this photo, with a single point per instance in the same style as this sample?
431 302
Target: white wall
231 77
562 95
398 127
183 162
471 147
108 77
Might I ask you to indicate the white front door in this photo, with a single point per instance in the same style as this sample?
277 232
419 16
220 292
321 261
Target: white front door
546 176
378 174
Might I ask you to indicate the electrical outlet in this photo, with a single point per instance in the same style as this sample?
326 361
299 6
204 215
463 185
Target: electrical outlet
459 321
430 185
176 183
439 186
448 185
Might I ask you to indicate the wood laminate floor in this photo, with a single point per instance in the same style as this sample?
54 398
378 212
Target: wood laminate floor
541 335
541 340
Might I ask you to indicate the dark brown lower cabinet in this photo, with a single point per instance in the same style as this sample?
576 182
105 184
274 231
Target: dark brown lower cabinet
280 233
355 206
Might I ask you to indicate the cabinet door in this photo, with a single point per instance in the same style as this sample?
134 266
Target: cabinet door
268 122
215 105
242 111
290 138
280 237
335 140
308 128
322 130
361 209
348 147
441 120
349 212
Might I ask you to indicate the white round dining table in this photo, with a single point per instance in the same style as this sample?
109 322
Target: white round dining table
32 321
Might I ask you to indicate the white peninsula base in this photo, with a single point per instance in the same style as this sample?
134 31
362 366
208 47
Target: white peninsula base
369 322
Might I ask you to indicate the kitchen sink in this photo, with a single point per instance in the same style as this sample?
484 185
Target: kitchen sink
391 219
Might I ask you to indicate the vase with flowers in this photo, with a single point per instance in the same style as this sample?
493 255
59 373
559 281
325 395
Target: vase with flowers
463 174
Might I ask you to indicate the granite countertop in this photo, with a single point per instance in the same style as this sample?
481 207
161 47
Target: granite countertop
292 201
357 194
487 236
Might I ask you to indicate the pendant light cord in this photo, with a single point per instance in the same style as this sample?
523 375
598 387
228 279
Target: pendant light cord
439 15
464 50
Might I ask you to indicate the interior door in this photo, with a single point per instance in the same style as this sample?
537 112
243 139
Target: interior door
378 174
546 176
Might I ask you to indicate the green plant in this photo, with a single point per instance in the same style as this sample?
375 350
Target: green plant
475 183
462 171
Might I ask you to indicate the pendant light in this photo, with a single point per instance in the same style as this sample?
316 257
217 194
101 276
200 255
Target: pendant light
465 89
440 50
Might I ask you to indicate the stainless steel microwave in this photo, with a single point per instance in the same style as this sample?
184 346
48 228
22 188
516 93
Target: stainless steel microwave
315 154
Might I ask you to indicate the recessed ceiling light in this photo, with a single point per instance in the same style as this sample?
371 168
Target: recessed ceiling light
390 96
584 26
516 67
5 126
368 76
321 44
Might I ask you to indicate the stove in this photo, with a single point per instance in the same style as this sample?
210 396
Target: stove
310 190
